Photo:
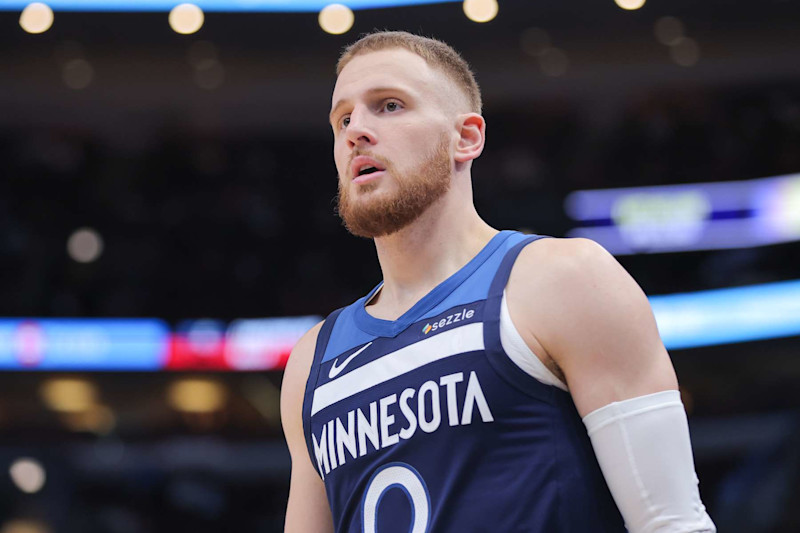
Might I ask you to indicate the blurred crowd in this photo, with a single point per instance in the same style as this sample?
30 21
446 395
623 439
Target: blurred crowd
194 224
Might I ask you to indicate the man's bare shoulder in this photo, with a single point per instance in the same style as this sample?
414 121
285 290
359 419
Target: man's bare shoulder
295 377
566 287
562 249
563 263
302 355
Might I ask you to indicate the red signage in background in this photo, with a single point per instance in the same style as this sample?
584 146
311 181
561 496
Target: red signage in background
245 344
198 345
264 344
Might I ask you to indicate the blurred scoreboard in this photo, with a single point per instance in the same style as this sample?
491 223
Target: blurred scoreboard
678 218
105 344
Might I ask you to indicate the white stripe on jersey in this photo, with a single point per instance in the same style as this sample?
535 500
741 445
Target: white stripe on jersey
468 338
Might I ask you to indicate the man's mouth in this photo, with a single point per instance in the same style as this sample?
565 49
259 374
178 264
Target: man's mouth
368 169
364 166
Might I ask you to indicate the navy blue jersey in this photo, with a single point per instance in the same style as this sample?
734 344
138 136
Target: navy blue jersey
424 424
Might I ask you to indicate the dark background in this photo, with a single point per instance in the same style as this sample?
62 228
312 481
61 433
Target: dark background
218 202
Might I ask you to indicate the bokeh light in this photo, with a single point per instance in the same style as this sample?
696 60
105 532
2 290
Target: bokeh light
36 18
186 18
68 395
20 525
196 395
685 52
85 245
481 10
201 52
209 75
554 62
28 475
77 73
630 5
66 51
668 30
336 19
534 41
98 419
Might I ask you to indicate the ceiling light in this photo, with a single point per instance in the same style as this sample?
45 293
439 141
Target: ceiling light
481 10
630 5
336 19
36 18
186 18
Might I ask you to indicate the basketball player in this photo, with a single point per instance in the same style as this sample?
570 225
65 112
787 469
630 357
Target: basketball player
494 381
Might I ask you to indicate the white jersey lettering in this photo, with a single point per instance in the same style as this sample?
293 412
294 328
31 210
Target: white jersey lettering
362 434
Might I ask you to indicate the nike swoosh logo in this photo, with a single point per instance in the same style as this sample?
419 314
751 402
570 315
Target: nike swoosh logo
336 370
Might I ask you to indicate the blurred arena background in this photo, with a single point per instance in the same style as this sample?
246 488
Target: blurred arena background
167 230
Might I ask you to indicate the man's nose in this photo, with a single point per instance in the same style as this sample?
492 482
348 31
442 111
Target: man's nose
359 130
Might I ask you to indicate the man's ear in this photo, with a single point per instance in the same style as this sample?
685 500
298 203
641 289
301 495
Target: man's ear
472 129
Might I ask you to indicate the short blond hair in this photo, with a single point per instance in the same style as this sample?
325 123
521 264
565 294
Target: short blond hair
436 53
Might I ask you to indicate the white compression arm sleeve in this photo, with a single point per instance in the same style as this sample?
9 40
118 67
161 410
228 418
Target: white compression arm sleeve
643 448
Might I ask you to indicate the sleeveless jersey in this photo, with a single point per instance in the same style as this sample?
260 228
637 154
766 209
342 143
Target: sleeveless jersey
424 424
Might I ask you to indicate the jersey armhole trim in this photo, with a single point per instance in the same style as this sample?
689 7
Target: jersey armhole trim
521 354
496 355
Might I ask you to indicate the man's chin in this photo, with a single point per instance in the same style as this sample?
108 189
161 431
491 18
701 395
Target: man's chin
364 189
373 215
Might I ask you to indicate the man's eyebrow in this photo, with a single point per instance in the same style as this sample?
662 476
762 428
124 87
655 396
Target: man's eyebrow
339 104
371 92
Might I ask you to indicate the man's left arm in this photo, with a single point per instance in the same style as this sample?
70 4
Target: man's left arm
584 315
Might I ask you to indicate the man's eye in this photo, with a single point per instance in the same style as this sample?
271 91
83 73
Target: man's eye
391 106
345 121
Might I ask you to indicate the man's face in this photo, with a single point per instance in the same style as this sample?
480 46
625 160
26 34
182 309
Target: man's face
392 119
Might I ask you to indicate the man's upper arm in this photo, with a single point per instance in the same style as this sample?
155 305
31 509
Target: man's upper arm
591 318
573 299
307 510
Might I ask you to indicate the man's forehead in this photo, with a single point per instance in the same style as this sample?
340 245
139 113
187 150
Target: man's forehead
386 68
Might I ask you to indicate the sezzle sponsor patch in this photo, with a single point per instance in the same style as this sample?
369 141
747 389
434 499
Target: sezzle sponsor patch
462 315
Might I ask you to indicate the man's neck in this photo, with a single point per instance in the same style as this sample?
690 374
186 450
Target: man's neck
417 258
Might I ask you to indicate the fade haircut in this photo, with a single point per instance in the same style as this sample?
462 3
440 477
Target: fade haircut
436 53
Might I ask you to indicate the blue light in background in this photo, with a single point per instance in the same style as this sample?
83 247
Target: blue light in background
231 6
83 344
726 316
